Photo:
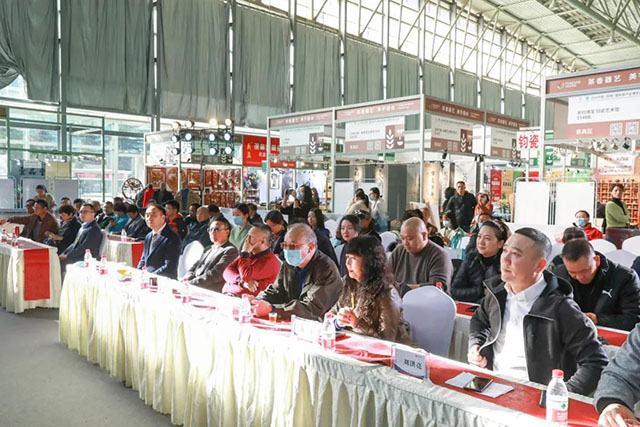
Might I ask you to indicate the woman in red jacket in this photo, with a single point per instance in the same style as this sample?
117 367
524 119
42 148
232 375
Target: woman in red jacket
582 221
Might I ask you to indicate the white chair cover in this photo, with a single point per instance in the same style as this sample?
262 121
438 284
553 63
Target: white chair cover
632 244
387 239
332 226
190 256
621 257
603 246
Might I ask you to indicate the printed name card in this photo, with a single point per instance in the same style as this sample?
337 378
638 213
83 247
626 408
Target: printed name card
305 329
410 362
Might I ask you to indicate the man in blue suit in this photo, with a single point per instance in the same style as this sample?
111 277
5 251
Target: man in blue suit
161 246
89 237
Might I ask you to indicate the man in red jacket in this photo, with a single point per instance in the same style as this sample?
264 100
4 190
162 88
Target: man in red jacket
583 221
256 268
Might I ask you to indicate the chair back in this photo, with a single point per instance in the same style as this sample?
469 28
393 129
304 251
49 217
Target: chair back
332 226
192 253
339 250
622 257
431 315
602 246
103 244
387 239
556 249
632 244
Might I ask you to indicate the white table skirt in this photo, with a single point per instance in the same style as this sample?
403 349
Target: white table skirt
121 252
204 369
12 279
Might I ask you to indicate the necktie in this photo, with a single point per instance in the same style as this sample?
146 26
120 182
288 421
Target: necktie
154 239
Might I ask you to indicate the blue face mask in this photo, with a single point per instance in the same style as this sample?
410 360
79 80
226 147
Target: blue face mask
373 199
293 257
301 196
480 225
581 222
237 220
446 223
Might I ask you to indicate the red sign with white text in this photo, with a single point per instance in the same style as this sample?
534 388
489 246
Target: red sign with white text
254 152
609 79
496 185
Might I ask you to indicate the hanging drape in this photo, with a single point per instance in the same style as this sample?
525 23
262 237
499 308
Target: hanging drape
261 67
437 81
28 46
108 53
490 97
316 81
512 102
465 88
532 109
193 40
403 79
363 72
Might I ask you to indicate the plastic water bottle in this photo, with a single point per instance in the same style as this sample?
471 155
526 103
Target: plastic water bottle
557 400
123 235
16 231
103 265
5 236
244 314
144 282
87 258
328 332
14 241
186 292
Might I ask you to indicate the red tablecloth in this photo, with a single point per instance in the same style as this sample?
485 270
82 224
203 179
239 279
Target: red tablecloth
36 271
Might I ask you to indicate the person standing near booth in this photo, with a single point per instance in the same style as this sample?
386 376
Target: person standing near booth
616 210
463 205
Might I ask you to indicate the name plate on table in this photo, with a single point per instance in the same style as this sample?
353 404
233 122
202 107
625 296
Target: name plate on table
305 329
410 362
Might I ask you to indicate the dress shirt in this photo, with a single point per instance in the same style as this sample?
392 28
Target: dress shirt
509 351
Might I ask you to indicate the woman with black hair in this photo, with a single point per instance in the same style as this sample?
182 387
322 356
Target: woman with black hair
451 234
616 210
481 263
278 226
369 303
301 206
316 220
360 202
449 192
348 229
367 224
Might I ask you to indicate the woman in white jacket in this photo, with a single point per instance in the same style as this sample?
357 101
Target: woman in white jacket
378 210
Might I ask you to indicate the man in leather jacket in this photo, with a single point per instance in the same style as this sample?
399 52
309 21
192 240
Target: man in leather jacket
528 324
607 293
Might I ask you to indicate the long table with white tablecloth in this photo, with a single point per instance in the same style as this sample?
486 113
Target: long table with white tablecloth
29 276
123 250
196 363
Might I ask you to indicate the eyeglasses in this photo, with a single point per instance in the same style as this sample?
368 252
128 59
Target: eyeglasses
218 229
292 246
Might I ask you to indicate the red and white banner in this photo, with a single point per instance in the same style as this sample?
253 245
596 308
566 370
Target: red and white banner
453 135
301 119
254 152
374 135
613 114
402 108
607 79
496 185
448 109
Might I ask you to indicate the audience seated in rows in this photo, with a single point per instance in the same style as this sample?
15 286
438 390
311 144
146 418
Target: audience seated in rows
417 262
255 268
69 227
214 213
569 234
175 220
119 220
198 230
583 222
369 284
208 270
29 206
367 225
193 213
254 216
89 237
324 244
241 225
308 284
278 226
162 195
103 216
41 194
348 228
161 246
529 309
77 205
451 232
37 224
65 201
475 228
480 264
136 227
425 216
316 220
608 293
360 202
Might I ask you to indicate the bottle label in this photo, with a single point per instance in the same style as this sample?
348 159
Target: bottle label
328 343
557 409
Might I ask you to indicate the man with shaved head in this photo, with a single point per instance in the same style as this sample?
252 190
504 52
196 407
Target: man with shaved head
417 262
255 268
308 284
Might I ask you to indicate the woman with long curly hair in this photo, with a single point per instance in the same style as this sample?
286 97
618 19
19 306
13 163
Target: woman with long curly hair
369 303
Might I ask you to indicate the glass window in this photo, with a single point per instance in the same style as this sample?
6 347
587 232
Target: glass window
17 89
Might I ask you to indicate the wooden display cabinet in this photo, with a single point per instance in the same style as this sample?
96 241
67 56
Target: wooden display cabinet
630 196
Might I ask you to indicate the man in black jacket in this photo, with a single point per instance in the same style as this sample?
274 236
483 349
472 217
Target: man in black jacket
161 246
89 237
608 293
198 230
528 324
136 227
463 205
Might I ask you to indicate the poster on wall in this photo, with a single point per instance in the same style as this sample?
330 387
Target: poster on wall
299 140
193 178
275 180
503 143
616 164
208 178
156 176
374 135
496 185
451 134
613 114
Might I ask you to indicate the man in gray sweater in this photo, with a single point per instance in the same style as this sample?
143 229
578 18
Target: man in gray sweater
417 262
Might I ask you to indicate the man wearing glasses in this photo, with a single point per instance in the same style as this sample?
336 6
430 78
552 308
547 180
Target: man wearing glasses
89 237
308 284
207 272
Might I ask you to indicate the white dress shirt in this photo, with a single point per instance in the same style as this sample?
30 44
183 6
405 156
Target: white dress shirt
509 349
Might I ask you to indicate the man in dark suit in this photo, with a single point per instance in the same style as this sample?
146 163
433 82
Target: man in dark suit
89 237
136 227
207 272
161 246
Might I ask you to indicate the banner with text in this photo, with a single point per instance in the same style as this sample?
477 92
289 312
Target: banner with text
302 140
616 164
374 135
503 143
613 114
451 134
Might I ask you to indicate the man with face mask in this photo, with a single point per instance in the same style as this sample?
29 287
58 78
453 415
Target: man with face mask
308 284
583 222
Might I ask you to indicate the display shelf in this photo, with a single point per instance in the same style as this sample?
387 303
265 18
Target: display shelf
630 195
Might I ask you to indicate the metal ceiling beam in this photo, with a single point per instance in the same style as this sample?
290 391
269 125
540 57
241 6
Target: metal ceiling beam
452 26
418 16
601 19
529 27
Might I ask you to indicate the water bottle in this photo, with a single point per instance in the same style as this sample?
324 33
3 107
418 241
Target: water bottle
328 332
87 258
103 264
186 291
14 241
557 400
16 231
244 314
123 235
5 236
144 281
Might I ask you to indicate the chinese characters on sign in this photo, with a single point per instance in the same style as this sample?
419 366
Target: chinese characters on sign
453 135
406 107
303 119
609 79
374 135
613 114
448 109
254 152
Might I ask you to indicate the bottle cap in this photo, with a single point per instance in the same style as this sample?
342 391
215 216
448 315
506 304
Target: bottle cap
328 316
439 285
557 373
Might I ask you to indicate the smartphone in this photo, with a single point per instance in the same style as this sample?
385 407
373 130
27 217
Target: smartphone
478 384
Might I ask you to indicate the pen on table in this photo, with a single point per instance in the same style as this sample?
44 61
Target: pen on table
353 300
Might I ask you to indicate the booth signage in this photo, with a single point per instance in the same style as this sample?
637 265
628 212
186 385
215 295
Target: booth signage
610 79
453 110
254 152
302 119
374 135
300 136
613 114
496 185
400 108
505 121
616 164
503 143
450 134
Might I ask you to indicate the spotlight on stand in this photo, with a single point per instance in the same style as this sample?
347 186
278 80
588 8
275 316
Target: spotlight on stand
228 123
175 151
189 124
213 123
214 151
226 135
188 136
175 138
228 150
175 125
213 137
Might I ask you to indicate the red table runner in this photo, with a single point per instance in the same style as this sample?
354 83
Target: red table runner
136 253
36 271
